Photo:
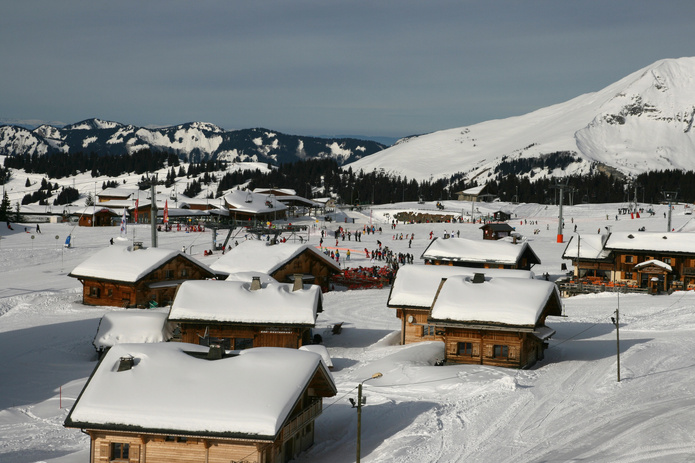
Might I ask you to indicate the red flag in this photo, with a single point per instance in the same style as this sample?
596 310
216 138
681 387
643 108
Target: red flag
135 214
166 212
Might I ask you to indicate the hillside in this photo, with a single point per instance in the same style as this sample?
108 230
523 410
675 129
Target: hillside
194 141
641 123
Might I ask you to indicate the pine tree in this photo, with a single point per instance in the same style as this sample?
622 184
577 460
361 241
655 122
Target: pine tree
5 207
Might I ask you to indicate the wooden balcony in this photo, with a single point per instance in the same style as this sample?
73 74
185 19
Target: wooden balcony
305 416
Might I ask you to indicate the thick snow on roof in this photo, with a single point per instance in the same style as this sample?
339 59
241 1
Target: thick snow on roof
91 210
258 256
235 302
130 326
265 191
322 351
651 241
463 249
416 285
474 190
655 262
119 263
118 192
246 201
508 301
248 276
590 247
168 389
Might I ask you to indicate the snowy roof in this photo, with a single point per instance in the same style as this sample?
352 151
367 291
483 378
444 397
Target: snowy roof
479 251
91 210
654 262
322 351
283 191
118 192
248 276
474 190
416 285
133 325
591 247
505 301
235 302
167 390
650 241
254 203
258 256
120 263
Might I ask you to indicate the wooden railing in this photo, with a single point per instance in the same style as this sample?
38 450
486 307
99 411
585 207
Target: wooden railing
305 416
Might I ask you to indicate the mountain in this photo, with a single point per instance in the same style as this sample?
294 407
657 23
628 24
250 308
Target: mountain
641 123
194 141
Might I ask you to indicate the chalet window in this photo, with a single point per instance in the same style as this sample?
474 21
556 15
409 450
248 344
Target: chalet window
109 292
465 348
628 275
119 451
184 272
94 291
629 259
243 343
500 351
168 274
428 330
667 260
175 439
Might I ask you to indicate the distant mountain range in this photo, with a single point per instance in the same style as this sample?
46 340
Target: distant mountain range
643 122
194 141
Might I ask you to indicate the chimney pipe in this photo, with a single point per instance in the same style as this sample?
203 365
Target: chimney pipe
478 278
126 363
216 352
298 282
255 283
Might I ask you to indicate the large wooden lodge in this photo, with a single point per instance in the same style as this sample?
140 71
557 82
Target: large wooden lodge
480 253
650 261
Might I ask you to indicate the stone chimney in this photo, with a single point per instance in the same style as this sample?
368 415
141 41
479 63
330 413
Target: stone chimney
216 352
255 283
298 282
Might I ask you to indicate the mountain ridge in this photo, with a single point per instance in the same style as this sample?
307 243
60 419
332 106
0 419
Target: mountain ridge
193 141
640 123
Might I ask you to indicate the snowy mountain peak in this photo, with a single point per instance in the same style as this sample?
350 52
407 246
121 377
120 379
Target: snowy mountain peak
640 123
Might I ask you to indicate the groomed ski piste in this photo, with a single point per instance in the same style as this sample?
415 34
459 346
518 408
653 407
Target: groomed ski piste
568 407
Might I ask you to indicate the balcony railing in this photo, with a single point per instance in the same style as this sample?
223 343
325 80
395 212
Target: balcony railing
308 414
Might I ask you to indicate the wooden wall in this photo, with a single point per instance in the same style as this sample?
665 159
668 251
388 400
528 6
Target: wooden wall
306 263
293 338
157 449
523 349
415 332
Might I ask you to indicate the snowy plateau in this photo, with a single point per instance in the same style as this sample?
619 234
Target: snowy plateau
641 123
568 407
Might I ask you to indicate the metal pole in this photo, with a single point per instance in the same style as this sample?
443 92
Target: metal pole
359 421
616 321
153 212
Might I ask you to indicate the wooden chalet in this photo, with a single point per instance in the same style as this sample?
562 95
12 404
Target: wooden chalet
186 403
640 261
246 206
121 276
480 254
116 194
501 216
496 321
496 231
281 261
240 315
475 194
653 261
413 292
96 216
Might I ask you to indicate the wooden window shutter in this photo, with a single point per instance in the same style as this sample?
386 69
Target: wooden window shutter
134 455
475 351
488 350
453 348
104 451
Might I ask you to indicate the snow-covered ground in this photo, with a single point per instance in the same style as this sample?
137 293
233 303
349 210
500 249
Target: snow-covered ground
569 407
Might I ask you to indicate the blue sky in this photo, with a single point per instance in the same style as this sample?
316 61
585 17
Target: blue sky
326 67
